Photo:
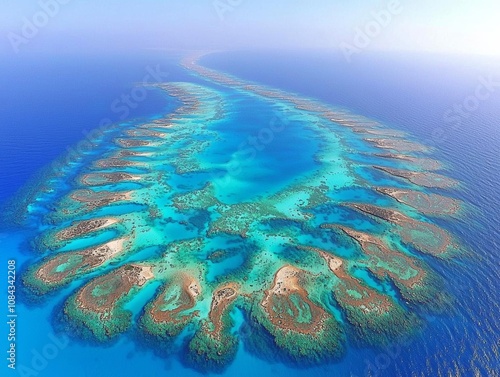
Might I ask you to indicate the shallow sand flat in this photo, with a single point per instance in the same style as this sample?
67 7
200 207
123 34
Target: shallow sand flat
81 228
89 196
130 153
101 179
221 299
334 262
78 262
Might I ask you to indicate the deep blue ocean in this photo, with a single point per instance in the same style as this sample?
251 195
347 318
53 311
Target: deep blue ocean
48 104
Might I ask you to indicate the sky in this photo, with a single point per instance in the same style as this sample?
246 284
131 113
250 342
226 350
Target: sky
443 26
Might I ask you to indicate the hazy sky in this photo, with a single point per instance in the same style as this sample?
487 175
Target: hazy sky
470 26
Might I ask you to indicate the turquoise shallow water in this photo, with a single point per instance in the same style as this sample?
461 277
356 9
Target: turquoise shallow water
273 168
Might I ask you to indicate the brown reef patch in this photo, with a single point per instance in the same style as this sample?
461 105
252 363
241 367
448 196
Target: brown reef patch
130 153
397 264
187 290
424 236
80 228
351 291
397 145
101 294
97 199
132 143
221 299
423 163
100 179
287 299
114 162
430 204
425 179
379 132
78 262
145 133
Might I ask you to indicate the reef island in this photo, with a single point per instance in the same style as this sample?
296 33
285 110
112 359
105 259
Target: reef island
314 230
